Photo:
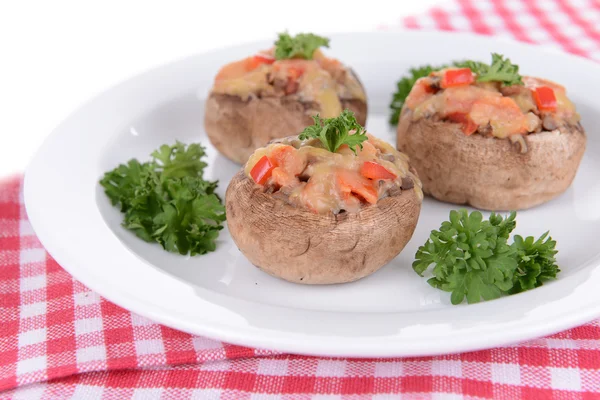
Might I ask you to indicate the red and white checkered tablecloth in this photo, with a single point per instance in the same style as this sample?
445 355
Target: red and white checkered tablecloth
60 340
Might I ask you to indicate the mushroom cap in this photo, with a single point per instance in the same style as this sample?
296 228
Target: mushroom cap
487 172
300 246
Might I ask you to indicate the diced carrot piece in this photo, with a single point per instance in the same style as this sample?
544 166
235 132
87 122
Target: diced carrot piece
502 113
280 153
288 158
372 170
351 182
461 98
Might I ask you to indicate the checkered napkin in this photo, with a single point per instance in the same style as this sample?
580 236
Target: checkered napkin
60 340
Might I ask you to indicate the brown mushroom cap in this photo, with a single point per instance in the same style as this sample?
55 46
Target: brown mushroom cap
300 246
237 127
486 172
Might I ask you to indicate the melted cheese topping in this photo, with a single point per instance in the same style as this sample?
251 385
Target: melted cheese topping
495 110
325 182
323 80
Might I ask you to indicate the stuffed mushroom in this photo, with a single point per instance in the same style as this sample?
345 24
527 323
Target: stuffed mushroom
274 93
324 209
485 136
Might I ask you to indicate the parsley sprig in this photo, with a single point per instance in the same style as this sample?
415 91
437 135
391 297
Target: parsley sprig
536 262
303 45
404 86
166 200
335 132
501 70
471 258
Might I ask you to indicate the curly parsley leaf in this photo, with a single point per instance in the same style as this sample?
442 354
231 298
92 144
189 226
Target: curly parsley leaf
177 161
303 45
537 262
122 185
335 132
404 86
166 200
501 70
472 259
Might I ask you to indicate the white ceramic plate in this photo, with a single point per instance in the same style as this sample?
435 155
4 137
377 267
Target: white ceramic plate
221 295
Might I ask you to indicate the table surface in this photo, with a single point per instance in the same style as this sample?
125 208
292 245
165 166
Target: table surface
59 54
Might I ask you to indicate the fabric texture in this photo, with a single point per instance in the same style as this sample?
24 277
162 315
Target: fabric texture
60 340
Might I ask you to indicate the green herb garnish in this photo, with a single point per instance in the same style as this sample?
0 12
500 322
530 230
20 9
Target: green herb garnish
166 200
501 70
537 263
404 86
303 45
471 258
335 132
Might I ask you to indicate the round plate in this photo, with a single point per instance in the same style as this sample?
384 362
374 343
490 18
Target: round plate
221 295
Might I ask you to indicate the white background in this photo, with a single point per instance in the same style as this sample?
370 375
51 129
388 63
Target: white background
55 55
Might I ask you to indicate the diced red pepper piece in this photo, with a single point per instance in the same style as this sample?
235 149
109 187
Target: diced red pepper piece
468 126
262 170
545 98
375 171
457 77
257 60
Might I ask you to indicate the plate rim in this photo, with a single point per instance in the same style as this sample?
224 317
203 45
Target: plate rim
215 331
